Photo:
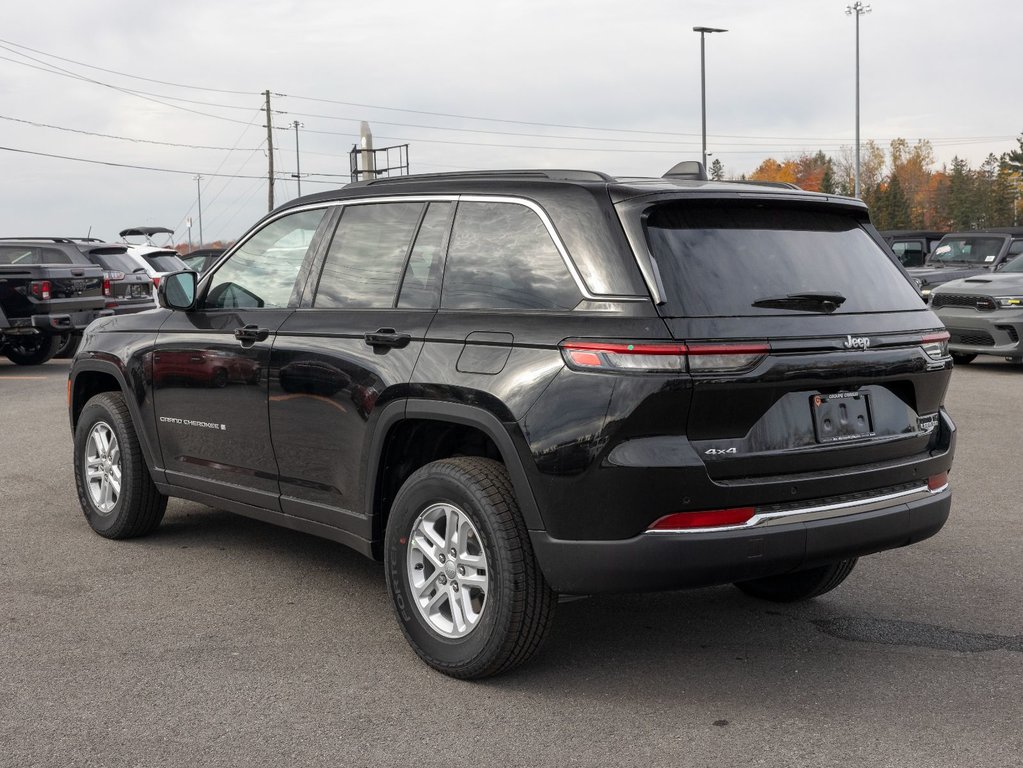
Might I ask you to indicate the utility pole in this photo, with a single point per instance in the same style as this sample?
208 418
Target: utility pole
857 9
269 153
298 167
703 84
198 192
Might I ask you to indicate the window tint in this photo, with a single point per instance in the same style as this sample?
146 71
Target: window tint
974 250
502 257
717 260
165 262
367 255
117 262
19 254
420 288
263 271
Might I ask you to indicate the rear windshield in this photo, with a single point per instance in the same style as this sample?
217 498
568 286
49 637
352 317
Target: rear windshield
972 250
727 259
116 262
165 262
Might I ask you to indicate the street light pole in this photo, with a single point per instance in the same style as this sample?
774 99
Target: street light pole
198 192
298 167
857 9
703 84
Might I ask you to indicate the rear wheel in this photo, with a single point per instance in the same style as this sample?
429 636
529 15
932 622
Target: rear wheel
115 489
801 585
963 358
68 345
32 350
466 587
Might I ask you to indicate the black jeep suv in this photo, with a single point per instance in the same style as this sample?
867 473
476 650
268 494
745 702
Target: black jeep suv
510 385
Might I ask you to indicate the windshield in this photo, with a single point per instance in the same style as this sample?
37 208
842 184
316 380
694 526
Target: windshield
972 250
165 262
726 259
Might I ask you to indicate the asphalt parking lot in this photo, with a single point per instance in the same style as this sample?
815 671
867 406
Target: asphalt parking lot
223 641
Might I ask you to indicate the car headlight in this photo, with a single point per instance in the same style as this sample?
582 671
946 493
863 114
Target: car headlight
1009 302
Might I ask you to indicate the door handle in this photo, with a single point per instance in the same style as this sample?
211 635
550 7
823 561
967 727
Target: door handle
251 333
388 337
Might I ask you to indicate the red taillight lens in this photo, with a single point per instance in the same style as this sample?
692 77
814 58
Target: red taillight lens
937 482
711 518
624 357
41 289
935 344
654 356
156 282
106 287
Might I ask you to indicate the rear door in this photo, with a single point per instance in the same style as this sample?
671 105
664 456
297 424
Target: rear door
808 347
350 350
210 366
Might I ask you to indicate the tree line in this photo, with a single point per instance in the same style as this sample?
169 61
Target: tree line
903 187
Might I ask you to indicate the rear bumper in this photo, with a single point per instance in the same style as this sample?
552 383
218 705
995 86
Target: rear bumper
67 322
677 560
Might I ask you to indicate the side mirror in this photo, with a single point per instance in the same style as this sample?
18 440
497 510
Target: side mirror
177 291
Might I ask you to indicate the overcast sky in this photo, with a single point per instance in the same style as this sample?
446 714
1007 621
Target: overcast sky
596 84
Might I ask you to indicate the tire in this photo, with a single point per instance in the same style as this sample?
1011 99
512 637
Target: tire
800 585
107 451
492 606
962 358
32 350
218 378
68 346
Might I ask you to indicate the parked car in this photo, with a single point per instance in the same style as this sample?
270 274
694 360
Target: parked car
157 262
962 254
912 246
514 385
202 259
49 293
983 314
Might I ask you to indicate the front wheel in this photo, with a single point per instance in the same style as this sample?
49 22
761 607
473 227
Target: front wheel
467 591
32 350
800 585
115 490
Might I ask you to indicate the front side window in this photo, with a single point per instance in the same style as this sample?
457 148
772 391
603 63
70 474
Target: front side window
264 270
971 250
366 257
502 257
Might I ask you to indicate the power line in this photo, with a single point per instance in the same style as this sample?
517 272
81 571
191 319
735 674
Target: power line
110 136
125 74
125 165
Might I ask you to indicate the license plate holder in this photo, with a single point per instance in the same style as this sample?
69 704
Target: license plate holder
841 416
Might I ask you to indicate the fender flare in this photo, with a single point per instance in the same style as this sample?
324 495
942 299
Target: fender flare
117 373
467 415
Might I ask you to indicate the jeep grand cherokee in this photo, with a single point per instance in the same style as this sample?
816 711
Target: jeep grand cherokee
514 385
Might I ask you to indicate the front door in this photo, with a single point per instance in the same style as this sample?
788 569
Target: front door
211 365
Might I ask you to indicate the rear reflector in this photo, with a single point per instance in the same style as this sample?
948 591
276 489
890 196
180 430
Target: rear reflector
647 356
937 482
712 518
156 282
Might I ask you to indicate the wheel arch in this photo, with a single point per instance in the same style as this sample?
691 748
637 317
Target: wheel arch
92 377
436 431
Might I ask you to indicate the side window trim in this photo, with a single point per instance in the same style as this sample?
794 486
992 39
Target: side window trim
408 256
442 255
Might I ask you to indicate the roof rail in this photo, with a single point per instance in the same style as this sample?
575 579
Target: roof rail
551 175
58 239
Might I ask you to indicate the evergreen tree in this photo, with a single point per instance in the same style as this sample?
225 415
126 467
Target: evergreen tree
896 205
717 170
962 203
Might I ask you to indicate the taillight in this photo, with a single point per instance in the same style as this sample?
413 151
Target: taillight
156 282
41 289
106 287
711 518
935 345
652 357
937 482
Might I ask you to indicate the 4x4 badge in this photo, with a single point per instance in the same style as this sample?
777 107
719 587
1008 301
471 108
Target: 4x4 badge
857 342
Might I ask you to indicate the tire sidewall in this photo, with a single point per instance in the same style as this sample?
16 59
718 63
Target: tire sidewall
92 414
429 486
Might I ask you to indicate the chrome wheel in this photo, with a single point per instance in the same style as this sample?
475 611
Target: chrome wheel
103 467
447 570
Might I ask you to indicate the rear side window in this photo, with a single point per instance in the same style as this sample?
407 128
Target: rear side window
20 254
721 259
502 257
366 257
